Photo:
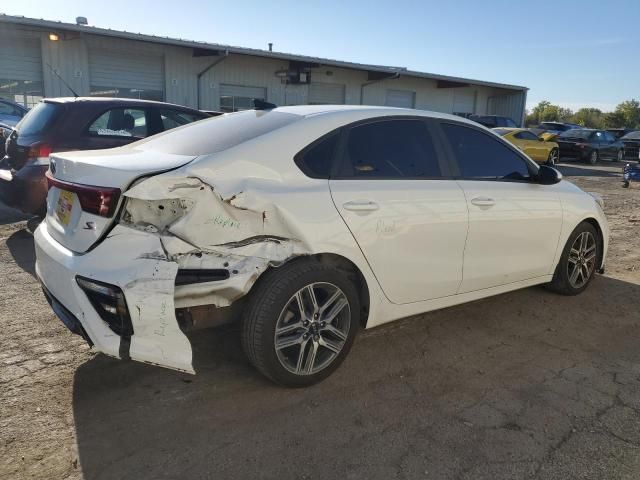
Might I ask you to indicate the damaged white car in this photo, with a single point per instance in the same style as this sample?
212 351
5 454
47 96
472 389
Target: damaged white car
306 224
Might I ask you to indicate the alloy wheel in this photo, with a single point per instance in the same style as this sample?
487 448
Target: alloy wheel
312 328
620 155
582 260
553 157
593 159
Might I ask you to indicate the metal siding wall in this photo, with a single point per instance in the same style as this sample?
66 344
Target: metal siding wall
69 59
20 59
508 105
326 93
400 98
109 68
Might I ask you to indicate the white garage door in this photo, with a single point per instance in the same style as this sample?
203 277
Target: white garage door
463 102
114 74
239 97
326 93
400 98
21 70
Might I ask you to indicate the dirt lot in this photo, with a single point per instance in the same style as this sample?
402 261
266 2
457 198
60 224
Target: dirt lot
524 385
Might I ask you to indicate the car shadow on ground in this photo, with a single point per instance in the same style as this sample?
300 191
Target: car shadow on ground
571 169
21 247
489 389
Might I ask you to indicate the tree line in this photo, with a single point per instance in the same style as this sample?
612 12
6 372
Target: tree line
626 114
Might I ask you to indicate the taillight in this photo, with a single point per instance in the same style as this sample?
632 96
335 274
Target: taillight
97 200
39 152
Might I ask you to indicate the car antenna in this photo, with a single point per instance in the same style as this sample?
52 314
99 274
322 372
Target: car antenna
62 80
262 105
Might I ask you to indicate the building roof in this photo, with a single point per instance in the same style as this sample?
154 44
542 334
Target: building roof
58 25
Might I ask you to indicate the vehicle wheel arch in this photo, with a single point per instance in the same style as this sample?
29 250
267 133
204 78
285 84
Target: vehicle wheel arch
600 239
350 269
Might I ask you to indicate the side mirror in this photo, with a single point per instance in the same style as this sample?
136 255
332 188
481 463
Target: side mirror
548 175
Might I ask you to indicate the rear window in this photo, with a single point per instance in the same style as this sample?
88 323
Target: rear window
39 118
218 133
575 133
501 131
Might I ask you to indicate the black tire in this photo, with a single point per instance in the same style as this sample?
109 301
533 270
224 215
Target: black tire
553 158
620 156
594 156
561 283
272 293
625 184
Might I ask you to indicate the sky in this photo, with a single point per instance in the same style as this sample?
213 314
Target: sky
571 53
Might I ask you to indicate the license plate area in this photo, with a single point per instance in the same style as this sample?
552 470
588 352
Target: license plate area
64 207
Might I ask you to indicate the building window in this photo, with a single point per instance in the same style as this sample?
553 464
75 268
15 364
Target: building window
123 92
229 103
25 92
234 98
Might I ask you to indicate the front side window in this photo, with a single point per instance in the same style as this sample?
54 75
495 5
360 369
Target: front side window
391 149
482 156
120 122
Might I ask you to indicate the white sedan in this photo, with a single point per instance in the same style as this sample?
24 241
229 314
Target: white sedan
306 224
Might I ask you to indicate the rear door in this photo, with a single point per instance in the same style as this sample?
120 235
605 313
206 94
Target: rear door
408 216
514 222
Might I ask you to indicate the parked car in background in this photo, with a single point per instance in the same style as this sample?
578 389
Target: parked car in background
552 129
631 145
536 148
590 145
306 224
63 124
11 112
620 132
493 121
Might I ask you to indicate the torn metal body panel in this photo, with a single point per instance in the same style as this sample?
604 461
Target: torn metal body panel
147 284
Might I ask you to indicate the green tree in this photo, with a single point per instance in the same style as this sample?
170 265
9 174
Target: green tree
545 111
588 117
630 111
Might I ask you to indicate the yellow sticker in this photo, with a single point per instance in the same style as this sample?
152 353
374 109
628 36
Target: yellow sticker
65 205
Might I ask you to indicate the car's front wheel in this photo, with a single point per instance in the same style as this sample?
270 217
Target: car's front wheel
593 157
578 262
620 156
300 322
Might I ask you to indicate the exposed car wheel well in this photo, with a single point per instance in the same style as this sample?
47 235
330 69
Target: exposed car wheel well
596 225
349 269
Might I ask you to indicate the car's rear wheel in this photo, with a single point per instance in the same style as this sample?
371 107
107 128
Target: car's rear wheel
593 157
578 262
300 322
553 157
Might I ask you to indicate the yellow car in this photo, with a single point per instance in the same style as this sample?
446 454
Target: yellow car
538 149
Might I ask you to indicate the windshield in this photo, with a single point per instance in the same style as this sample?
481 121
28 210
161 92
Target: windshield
575 133
38 118
632 136
218 133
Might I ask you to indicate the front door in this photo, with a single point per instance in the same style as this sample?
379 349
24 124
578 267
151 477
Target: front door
407 216
514 223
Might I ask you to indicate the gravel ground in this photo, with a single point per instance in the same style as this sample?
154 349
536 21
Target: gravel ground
523 385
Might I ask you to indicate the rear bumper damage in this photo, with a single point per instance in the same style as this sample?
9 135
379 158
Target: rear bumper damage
179 244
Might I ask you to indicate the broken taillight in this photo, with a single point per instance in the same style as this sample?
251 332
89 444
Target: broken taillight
97 200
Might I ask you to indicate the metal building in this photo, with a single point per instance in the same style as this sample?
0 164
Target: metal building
42 58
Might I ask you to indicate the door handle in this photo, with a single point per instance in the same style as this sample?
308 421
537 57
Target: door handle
361 206
483 201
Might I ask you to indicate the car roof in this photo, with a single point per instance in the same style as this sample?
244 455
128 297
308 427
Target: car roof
11 102
364 111
114 101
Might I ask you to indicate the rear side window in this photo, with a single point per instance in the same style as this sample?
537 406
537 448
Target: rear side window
176 118
482 156
41 117
316 160
390 149
120 122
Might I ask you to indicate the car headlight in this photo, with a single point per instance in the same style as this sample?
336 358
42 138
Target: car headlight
598 198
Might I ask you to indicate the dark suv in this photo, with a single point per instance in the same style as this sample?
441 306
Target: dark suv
63 124
493 121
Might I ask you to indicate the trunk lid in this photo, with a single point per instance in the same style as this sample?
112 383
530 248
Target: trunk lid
86 189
